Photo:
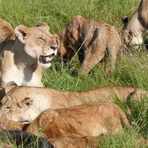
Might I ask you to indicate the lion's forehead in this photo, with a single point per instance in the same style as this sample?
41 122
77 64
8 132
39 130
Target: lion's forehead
35 33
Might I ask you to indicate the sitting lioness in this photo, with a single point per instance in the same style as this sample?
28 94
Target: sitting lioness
26 103
23 56
136 27
92 41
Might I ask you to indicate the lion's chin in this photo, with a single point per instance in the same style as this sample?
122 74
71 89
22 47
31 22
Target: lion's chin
45 61
47 65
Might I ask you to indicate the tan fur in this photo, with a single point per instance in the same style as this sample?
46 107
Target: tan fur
136 27
79 121
73 142
63 142
6 31
92 41
10 124
26 103
26 52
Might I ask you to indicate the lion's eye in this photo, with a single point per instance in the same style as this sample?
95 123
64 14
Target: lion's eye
27 102
41 39
53 47
8 108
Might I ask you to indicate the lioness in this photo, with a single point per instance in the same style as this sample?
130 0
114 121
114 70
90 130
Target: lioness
136 27
22 57
92 41
26 103
63 142
79 121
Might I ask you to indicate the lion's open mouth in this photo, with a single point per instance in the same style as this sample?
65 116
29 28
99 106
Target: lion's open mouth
45 59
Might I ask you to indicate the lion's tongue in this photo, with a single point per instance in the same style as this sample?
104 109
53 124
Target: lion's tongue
47 59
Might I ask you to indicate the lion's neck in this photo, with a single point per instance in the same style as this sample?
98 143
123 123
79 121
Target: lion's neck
21 59
135 25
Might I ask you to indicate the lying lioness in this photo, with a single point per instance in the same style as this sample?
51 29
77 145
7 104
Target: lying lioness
79 121
28 50
92 41
26 103
63 142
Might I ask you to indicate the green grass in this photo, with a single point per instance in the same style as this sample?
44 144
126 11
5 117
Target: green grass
130 70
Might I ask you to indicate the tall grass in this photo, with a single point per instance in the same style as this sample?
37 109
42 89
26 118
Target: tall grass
130 70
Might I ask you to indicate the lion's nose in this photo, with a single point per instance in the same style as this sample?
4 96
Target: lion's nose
53 48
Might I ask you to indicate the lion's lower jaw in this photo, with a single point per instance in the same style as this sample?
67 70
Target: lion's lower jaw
47 65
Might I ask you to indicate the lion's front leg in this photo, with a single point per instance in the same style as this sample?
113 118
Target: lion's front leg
109 63
92 58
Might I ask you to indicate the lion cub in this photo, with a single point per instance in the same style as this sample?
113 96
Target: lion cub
80 121
92 41
23 56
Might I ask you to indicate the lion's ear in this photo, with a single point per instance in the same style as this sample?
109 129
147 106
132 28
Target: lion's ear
57 39
21 32
125 20
10 86
43 26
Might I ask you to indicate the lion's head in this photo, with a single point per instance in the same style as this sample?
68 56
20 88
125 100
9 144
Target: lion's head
38 42
21 104
74 27
132 31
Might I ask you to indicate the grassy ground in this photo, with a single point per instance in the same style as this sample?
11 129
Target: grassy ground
130 70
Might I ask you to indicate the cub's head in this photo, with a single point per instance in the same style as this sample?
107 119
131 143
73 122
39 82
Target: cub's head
69 36
38 42
22 104
74 27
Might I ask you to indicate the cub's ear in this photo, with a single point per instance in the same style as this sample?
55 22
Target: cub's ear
125 20
78 19
43 26
21 32
10 86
